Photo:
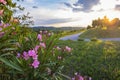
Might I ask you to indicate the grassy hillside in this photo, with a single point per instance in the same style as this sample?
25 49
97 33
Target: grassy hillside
101 33
100 60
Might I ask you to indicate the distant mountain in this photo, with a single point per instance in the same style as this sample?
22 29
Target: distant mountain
38 28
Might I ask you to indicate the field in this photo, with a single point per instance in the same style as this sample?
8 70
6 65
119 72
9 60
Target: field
100 60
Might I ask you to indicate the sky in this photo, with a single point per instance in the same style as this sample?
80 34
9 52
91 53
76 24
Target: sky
74 13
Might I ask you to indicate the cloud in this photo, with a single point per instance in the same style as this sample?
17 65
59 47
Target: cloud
68 5
35 7
83 5
29 1
71 12
117 7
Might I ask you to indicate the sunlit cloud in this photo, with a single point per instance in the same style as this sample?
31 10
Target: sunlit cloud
71 12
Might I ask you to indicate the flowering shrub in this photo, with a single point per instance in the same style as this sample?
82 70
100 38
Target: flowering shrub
28 55
37 57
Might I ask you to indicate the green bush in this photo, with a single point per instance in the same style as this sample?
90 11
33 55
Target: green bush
94 39
80 39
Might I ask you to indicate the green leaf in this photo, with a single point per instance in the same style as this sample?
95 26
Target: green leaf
10 64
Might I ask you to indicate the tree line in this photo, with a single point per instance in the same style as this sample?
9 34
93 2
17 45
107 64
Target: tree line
105 22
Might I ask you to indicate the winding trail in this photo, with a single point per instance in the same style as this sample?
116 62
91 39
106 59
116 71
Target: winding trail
76 36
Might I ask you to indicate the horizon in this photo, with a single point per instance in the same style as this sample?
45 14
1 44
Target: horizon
78 13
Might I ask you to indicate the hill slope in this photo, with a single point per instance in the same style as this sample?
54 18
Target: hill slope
100 33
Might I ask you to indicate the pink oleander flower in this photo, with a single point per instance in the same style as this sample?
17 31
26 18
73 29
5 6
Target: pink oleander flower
18 55
35 63
1 12
36 48
73 79
39 37
90 78
81 78
42 45
31 53
0 29
25 55
68 49
3 1
6 25
35 57
1 24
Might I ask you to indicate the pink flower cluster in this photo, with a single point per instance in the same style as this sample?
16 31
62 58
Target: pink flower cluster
33 53
3 1
28 55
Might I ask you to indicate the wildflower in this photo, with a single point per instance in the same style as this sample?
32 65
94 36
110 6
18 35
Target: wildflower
1 12
59 57
31 53
39 37
3 1
49 34
18 55
25 55
35 63
43 45
68 49
58 48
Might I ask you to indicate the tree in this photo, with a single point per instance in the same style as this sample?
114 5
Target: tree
115 22
89 27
